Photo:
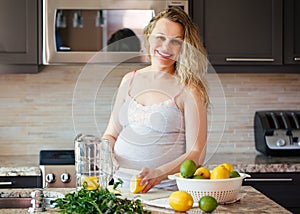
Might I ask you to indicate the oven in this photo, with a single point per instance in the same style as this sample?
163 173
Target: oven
58 168
81 31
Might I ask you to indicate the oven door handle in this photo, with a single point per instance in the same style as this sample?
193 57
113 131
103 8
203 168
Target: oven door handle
2 183
268 179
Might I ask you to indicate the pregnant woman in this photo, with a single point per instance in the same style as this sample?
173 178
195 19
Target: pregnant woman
159 117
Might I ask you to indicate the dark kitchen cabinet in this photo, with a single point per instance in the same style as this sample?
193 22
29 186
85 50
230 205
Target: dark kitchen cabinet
19 36
283 188
240 32
292 32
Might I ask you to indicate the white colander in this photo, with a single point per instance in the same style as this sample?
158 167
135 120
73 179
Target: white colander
223 190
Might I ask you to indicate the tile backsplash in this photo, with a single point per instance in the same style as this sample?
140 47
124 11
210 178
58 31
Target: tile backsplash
247 93
37 110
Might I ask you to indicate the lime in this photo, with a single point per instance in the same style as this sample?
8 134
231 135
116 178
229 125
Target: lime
198 177
181 201
188 168
234 174
208 203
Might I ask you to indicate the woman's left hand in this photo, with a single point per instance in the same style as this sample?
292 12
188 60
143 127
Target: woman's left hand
151 177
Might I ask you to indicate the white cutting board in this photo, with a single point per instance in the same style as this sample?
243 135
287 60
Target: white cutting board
151 195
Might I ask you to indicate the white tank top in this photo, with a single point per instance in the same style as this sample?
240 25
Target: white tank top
151 135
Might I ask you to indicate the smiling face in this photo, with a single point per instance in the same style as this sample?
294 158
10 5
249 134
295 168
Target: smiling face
165 44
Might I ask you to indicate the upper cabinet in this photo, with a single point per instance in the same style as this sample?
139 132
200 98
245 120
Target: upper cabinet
249 32
19 32
291 32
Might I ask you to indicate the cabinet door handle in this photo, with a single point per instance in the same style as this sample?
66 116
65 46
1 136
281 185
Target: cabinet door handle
6 183
297 59
250 59
269 179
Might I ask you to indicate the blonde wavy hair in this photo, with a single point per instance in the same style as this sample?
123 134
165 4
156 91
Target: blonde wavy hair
191 67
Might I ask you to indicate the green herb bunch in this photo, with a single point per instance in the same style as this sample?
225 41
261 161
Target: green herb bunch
98 201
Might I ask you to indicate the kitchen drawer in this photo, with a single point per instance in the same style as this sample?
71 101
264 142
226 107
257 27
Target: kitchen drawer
283 188
8 182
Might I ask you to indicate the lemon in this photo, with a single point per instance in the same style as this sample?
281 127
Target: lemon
181 201
219 172
135 186
112 190
208 203
203 171
90 182
234 174
188 168
228 166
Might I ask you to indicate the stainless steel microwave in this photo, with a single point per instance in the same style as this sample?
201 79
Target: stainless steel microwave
81 31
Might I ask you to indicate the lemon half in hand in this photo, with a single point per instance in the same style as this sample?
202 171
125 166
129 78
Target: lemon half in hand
135 186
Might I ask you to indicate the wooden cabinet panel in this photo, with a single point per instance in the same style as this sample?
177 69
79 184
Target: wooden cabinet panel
292 32
19 32
241 32
283 188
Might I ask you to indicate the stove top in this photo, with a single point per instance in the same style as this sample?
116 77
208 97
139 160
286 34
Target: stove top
58 168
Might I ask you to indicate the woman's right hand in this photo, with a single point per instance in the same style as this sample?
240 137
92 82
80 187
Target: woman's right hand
150 177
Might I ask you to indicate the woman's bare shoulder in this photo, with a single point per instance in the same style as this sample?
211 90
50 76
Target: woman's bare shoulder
192 93
126 78
130 74
147 68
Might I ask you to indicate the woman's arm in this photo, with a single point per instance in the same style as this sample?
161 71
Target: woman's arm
195 115
113 128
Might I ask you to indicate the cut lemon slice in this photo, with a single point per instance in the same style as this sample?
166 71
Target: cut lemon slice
112 190
135 186
90 182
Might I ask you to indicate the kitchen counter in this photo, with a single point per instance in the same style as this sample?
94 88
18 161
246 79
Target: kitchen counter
243 162
252 201
19 166
252 162
255 162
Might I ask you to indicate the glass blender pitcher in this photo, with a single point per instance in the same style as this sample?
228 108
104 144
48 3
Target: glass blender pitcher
93 162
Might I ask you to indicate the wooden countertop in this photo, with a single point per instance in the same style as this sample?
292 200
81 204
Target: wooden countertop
252 201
